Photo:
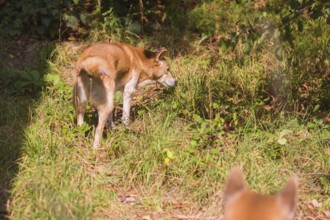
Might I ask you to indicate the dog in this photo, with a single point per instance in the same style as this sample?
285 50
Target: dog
242 204
103 69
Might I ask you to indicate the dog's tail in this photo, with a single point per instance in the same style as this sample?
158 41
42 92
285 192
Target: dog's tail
89 67
94 66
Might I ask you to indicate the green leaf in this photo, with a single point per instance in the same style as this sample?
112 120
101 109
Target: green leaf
277 33
191 150
198 119
55 12
71 21
53 79
279 53
76 2
285 132
45 20
35 75
223 45
300 26
316 108
247 48
235 118
83 18
25 75
193 143
141 111
318 121
282 141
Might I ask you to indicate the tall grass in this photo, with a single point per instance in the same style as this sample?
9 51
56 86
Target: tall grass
174 160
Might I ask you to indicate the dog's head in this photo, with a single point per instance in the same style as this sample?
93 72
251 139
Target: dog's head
159 70
243 204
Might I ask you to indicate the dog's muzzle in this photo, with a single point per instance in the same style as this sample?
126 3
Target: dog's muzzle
175 83
168 80
170 83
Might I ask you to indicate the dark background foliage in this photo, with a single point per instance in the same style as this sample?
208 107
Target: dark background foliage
294 31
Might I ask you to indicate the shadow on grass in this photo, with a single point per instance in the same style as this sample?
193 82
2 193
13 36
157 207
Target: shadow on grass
23 64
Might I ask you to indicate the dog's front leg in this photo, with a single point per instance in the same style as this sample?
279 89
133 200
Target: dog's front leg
129 89
127 98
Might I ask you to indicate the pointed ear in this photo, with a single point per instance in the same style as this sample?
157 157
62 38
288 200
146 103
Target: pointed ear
288 197
160 53
235 184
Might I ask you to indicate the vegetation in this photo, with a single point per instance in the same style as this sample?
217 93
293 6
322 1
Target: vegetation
253 92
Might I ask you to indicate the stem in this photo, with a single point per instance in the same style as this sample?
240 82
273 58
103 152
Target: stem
141 18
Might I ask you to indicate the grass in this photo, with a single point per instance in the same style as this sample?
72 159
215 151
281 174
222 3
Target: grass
174 160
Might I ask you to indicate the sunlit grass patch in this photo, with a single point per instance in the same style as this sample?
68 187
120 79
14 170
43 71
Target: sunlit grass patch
175 158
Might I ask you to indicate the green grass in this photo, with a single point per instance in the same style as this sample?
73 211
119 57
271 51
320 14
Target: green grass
174 160
260 104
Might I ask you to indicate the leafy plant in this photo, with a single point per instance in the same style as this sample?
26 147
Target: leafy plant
207 132
28 82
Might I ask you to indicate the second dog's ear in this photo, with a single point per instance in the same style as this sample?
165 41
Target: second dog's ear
234 185
288 197
160 53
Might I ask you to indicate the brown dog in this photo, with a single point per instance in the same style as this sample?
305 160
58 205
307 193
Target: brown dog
243 204
105 68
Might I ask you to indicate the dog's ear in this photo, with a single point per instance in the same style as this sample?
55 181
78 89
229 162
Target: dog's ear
234 185
160 53
288 197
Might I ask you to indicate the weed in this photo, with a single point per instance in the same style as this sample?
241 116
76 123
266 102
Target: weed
174 159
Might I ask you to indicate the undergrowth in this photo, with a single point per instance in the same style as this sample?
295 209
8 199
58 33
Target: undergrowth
175 158
249 94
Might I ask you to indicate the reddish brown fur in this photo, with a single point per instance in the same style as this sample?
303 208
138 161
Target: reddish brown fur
118 58
115 67
242 204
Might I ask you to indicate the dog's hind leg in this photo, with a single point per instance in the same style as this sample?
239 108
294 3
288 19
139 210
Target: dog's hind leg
110 121
104 101
81 91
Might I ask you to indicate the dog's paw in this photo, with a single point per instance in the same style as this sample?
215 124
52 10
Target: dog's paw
110 125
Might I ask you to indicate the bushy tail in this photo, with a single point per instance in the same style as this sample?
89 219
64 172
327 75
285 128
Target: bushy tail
81 90
90 67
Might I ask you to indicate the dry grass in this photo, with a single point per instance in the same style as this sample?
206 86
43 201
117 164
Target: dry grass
61 177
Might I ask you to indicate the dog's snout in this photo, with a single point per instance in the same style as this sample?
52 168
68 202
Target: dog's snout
167 80
172 82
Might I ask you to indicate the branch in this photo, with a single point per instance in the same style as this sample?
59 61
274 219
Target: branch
141 17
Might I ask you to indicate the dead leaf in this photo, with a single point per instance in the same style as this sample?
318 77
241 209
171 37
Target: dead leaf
315 203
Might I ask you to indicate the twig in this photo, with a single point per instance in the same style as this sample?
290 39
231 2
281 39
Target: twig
306 174
141 18
210 102
60 26
315 174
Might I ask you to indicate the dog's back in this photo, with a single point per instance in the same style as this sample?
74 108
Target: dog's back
243 204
